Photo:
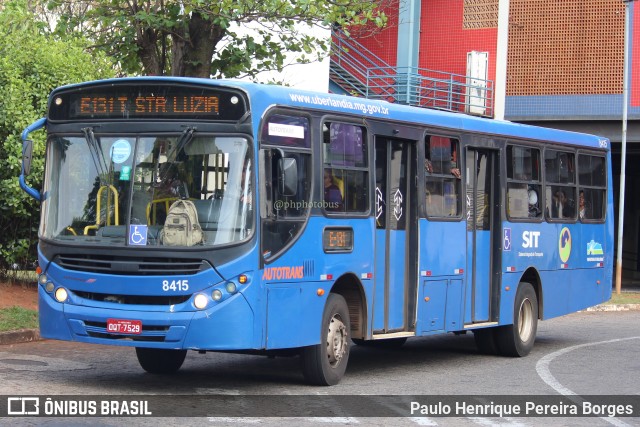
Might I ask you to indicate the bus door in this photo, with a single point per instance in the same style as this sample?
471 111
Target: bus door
395 236
481 180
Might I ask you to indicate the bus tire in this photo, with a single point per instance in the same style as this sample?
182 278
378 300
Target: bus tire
325 363
517 340
486 341
159 360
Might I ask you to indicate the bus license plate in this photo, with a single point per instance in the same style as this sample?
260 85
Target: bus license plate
121 326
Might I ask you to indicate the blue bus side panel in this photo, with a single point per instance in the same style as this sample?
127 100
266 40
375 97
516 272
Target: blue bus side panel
432 299
442 248
397 276
483 275
294 308
379 276
571 260
440 303
454 308
442 253
284 311
477 299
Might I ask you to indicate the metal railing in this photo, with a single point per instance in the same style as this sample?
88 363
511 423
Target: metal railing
360 72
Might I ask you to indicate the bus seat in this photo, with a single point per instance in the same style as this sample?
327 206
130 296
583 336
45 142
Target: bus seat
208 213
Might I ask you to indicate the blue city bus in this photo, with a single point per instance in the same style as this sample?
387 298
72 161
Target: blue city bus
306 222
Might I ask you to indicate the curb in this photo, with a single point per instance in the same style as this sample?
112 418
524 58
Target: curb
19 336
614 307
30 335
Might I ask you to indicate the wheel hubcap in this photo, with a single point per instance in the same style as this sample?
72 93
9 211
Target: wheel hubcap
525 320
336 340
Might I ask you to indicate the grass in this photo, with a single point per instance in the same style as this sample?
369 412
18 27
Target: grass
624 298
14 318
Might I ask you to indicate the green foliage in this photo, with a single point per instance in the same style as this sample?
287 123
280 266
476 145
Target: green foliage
16 318
32 63
201 38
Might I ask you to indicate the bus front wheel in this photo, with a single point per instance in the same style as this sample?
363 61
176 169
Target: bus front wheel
325 363
517 340
160 361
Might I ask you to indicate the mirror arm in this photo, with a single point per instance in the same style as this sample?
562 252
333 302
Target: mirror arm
27 149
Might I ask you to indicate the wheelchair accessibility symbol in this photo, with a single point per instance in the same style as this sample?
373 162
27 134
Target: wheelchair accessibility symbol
138 235
506 240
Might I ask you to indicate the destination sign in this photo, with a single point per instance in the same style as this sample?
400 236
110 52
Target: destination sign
146 102
337 239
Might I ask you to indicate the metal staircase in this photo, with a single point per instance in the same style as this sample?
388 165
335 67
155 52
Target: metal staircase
355 70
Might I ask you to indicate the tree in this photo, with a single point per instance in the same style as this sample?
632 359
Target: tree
32 63
203 38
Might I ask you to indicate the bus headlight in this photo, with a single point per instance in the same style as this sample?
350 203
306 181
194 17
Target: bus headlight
49 287
42 279
200 301
61 294
231 287
216 295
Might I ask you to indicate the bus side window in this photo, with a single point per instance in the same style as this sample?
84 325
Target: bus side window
345 175
593 187
524 198
283 215
560 189
442 176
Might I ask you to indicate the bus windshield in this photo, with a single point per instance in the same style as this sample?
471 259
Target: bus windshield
119 189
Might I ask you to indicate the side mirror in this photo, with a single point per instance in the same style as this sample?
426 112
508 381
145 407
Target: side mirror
27 152
287 176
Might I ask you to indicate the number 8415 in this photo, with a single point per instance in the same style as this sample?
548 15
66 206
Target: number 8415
175 285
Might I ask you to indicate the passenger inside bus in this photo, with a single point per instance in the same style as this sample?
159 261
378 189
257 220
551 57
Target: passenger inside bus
584 207
332 193
561 207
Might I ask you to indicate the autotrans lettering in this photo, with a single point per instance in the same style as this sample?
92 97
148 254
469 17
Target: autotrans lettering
328 101
282 273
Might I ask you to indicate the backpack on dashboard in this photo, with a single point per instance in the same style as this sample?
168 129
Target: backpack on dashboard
181 228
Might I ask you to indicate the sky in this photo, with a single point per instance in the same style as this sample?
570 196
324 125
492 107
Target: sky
313 76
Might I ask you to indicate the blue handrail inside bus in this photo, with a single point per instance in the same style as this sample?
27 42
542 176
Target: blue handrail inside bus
25 134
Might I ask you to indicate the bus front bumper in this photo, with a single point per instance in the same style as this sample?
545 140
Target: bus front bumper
228 325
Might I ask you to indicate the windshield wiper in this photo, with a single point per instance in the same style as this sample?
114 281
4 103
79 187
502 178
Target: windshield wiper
185 138
96 153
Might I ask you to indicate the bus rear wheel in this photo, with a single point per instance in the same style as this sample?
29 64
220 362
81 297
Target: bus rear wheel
159 360
326 363
517 340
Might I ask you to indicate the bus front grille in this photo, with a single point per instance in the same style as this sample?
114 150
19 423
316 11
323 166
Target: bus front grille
134 299
143 266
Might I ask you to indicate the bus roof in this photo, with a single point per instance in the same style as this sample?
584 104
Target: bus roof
263 96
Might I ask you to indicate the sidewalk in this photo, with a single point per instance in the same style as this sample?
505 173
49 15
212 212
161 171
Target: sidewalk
29 335
627 287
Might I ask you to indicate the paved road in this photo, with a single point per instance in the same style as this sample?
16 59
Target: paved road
584 353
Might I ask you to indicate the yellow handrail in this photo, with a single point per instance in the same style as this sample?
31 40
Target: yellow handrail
152 216
113 191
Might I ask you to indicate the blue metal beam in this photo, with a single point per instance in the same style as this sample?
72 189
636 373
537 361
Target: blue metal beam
408 46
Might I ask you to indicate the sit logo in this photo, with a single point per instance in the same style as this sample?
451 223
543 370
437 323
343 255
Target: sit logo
530 239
